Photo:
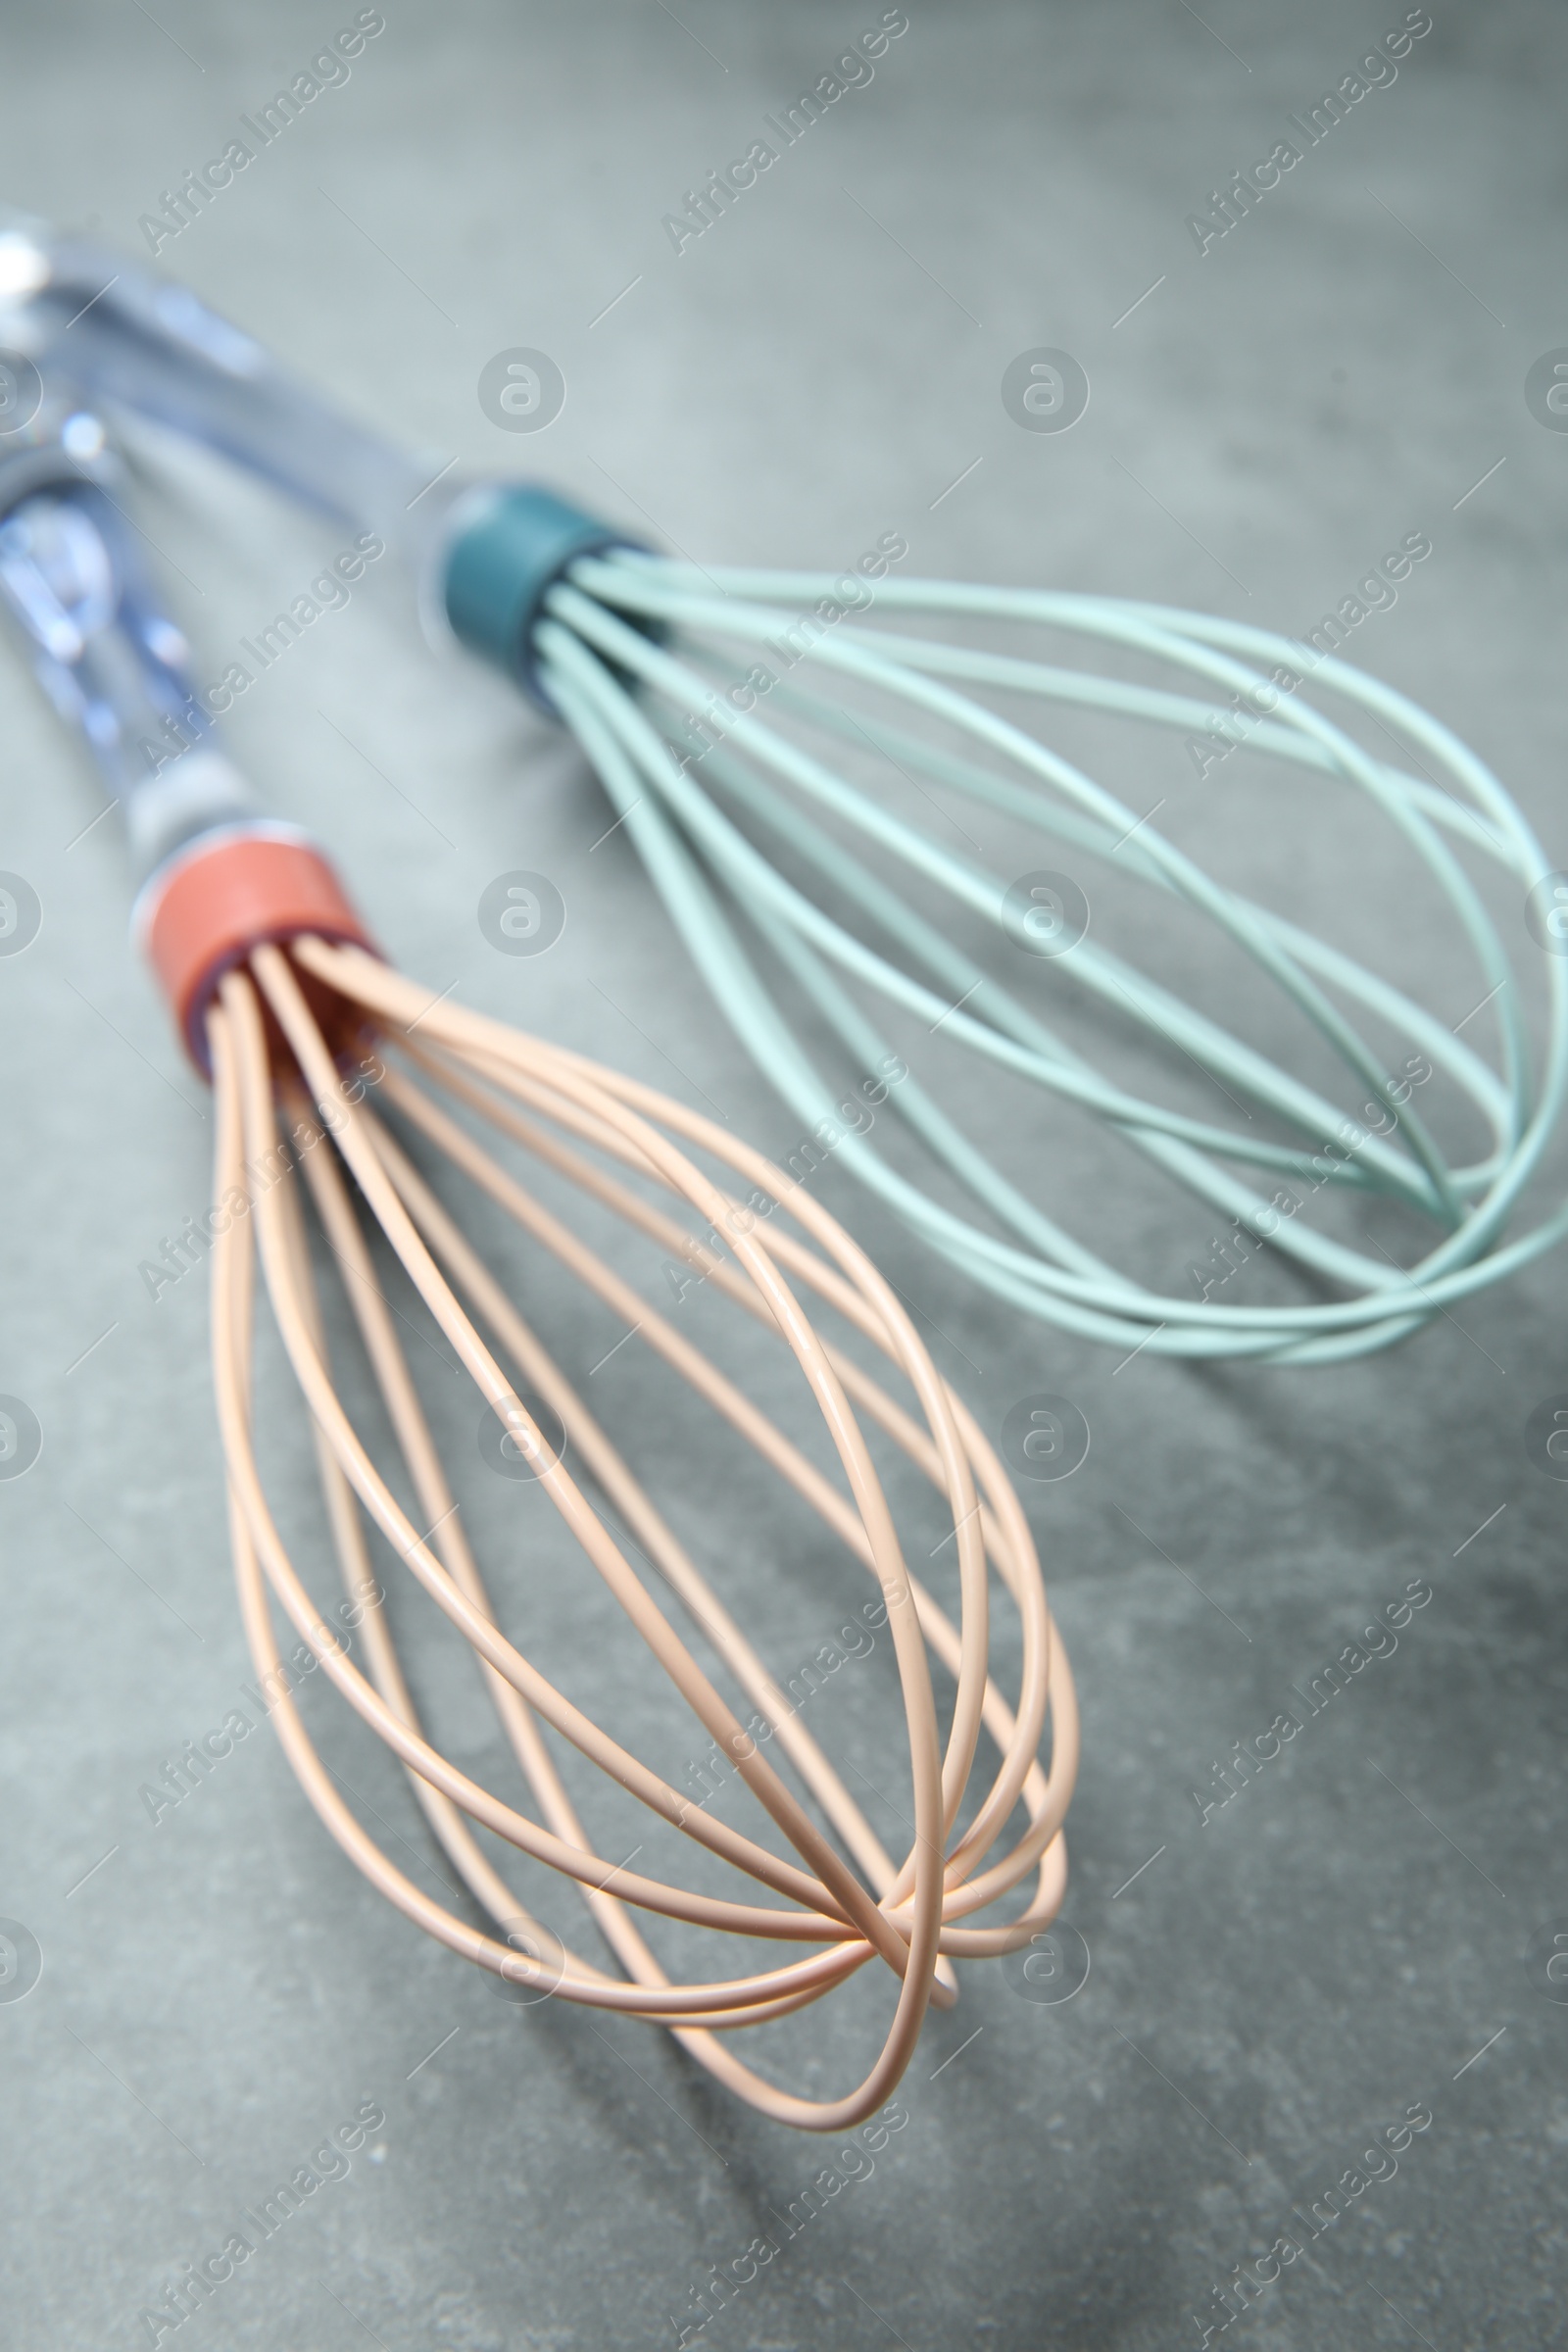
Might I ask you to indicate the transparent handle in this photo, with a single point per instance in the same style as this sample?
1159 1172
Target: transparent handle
484 555
128 341
114 664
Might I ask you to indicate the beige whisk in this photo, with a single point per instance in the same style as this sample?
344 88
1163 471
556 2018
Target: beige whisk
277 994
842 1893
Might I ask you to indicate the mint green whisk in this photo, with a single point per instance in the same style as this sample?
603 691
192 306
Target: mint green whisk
772 743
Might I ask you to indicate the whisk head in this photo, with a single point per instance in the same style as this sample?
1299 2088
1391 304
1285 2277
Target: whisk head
845 813
297 1134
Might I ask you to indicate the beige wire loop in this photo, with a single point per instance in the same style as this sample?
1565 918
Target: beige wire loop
823 1875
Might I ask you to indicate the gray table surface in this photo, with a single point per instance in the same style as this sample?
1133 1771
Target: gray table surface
220 1991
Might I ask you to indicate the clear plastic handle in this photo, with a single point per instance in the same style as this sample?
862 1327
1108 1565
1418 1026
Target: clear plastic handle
484 555
130 341
113 663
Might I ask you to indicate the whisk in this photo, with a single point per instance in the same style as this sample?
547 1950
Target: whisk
729 712
286 1005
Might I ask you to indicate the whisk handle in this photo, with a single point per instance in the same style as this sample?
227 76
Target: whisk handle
219 876
486 553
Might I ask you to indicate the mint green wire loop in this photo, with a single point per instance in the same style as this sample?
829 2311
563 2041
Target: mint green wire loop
643 711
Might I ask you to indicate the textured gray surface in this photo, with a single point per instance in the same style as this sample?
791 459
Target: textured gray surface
221 1990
